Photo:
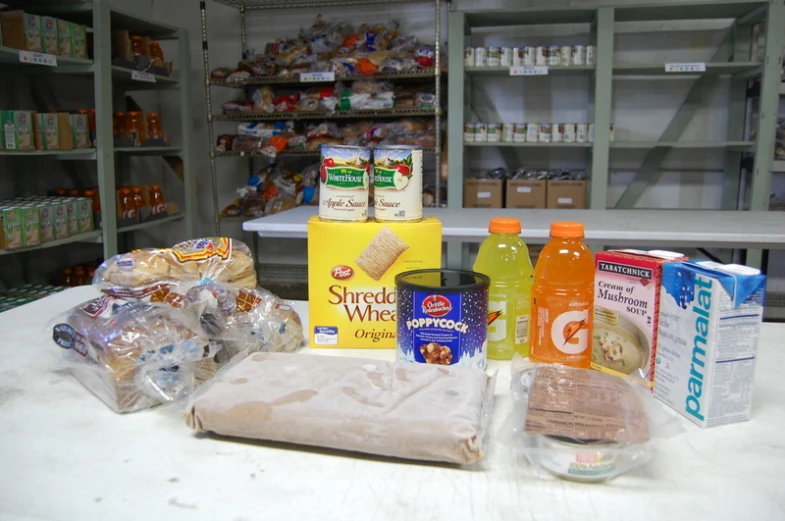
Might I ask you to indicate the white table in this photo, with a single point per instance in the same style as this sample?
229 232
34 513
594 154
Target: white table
685 228
64 455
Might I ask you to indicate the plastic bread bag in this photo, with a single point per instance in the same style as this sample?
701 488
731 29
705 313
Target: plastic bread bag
581 424
402 410
165 275
133 355
244 321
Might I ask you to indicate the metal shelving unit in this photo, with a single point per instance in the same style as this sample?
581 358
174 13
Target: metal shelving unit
731 59
110 84
244 7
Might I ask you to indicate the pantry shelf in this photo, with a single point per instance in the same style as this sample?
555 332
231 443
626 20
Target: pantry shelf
553 70
125 75
529 145
778 167
289 153
79 154
659 69
148 151
294 4
421 74
150 224
740 146
10 55
93 236
320 114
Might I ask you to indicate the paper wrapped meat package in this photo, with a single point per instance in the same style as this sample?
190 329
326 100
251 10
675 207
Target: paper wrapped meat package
412 411
165 275
133 355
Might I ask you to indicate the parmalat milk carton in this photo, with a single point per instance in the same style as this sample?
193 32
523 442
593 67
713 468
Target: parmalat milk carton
710 318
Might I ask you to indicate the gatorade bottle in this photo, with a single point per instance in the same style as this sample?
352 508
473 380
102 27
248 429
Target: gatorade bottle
563 299
504 258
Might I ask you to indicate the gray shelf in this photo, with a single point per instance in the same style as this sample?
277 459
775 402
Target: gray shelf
151 224
528 145
94 236
315 4
10 55
657 69
78 154
422 74
109 82
553 70
320 114
741 146
778 166
148 151
290 153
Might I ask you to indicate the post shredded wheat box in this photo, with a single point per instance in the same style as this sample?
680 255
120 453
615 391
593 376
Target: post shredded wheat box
351 277
710 317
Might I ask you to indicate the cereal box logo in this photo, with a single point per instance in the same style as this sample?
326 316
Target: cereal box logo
45 212
80 122
49 24
59 210
342 272
436 306
22 118
50 120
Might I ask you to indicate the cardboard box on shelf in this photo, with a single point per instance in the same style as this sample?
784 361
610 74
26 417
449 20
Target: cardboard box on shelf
64 46
21 31
60 214
53 132
31 226
526 193
352 287
483 193
80 131
566 194
11 224
18 129
49 39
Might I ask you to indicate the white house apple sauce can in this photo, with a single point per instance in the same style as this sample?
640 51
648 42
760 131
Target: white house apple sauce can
397 183
344 179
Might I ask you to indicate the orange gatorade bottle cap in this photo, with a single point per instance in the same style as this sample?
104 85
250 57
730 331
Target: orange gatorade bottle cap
505 225
567 230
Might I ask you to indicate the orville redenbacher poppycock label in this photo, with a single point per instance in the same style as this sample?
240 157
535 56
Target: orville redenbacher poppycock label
344 178
397 183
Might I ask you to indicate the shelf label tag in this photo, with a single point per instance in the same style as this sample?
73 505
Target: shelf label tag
38 58
142 76
529 70
685 67
311 77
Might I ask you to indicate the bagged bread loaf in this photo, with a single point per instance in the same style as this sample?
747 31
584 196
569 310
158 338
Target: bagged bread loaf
165 275
413 411
133 355
243 320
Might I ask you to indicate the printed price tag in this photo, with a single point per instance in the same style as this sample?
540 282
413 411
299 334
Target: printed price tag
142 76
38 58
529 70
311 77
685 67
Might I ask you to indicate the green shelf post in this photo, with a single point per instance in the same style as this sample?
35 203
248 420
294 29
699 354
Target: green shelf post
186 125
102 51
603 93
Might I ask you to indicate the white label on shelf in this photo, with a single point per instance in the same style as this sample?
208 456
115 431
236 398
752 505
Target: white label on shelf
310 77
524 189
565 200
483 195
685 67
142 76
38 58
529 70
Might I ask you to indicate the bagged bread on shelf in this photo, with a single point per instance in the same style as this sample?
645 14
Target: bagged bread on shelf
133 355
411 411
165 275
581 424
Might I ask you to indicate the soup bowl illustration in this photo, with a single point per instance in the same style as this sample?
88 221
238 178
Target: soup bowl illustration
622 347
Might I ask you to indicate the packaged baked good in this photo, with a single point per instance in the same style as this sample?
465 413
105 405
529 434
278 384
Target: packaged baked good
581 424
165 275
412 411
133 355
